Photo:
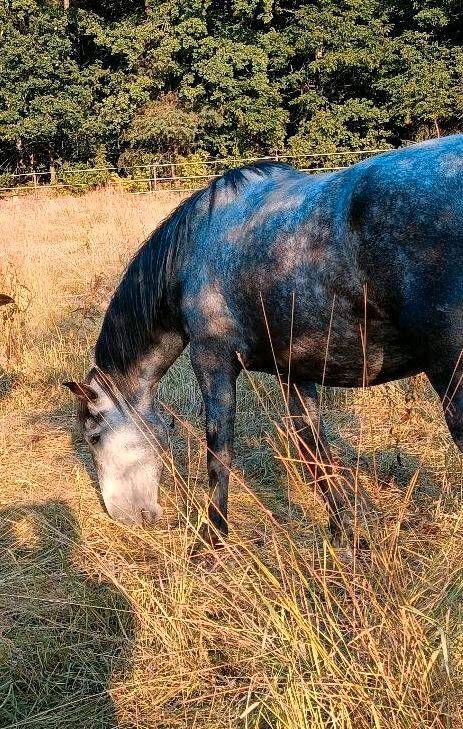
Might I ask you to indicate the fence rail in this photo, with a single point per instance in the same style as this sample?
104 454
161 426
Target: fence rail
182 176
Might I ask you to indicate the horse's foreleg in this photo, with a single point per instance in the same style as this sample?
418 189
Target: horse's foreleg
315 451
217 380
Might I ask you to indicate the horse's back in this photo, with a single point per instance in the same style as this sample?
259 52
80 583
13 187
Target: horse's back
410 194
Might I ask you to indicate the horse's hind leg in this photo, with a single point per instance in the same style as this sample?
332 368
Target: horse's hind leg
448 383
216 374
309 429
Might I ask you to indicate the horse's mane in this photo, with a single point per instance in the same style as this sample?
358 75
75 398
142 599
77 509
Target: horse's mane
139 303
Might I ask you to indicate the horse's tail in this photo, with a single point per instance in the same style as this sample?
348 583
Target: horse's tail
140 304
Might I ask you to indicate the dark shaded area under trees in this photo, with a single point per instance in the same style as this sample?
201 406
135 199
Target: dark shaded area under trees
133 81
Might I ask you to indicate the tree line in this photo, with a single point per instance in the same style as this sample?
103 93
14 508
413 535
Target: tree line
125 82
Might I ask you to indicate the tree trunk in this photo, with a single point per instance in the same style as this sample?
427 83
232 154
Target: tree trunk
66 4
52 172
20 151
33 172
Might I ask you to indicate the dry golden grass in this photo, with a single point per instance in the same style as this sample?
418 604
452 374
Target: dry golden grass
105 626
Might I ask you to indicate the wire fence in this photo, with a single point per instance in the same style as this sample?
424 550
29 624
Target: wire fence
157 177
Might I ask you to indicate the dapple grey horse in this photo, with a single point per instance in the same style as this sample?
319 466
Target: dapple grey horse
349 278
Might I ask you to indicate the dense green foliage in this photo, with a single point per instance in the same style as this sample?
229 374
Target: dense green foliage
137 80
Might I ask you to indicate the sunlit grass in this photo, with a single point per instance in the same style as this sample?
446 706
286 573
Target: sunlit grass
103 625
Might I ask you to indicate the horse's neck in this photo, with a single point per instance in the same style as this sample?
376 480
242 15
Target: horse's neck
167 347
138 385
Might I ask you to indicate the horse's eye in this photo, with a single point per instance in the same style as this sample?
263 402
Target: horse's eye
94 439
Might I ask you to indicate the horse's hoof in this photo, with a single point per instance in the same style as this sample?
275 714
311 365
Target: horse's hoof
343 537
205 559
211 538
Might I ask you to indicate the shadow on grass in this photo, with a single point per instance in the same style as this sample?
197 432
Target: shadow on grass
388 467
8 380
64 635
385 465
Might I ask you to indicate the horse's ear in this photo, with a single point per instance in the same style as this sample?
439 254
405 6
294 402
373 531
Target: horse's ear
4 299
82 391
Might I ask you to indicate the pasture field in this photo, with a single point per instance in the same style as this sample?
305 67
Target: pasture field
106 626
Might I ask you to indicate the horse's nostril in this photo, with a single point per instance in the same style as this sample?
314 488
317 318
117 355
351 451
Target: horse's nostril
145 516
149 516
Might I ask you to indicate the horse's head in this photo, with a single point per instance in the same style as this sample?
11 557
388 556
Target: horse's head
126 437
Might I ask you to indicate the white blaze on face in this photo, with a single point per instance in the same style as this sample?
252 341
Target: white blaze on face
126 445
129 473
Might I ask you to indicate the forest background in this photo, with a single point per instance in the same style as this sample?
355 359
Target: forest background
126 82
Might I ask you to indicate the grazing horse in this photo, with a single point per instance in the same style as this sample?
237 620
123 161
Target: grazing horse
349 279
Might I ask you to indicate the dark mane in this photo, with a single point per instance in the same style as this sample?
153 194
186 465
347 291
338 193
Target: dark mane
239 176
235 179
140 303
